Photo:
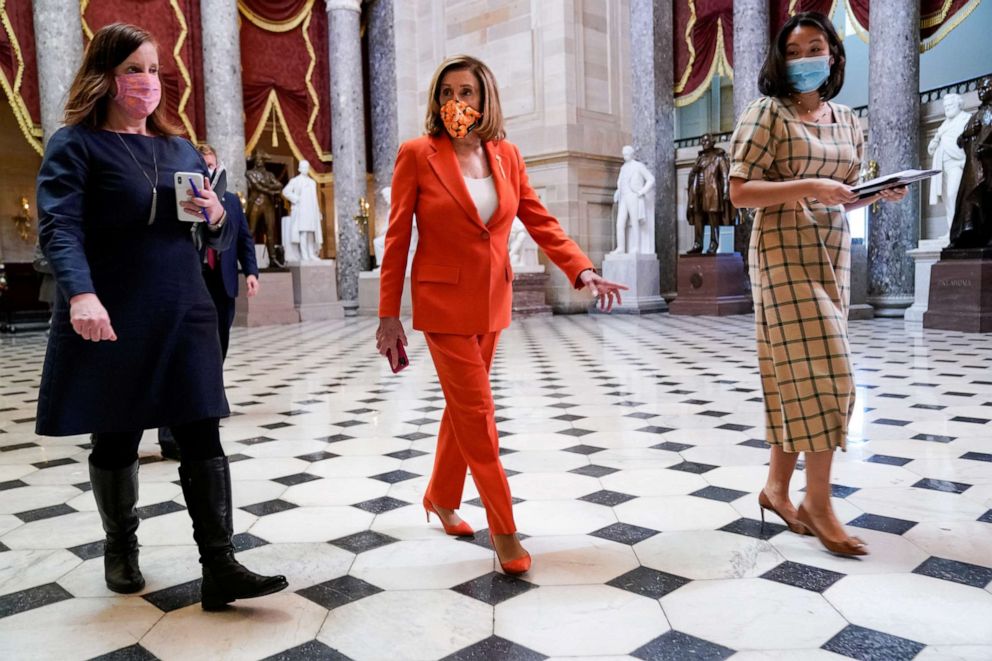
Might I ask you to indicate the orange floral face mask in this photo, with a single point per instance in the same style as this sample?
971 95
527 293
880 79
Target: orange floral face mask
459 118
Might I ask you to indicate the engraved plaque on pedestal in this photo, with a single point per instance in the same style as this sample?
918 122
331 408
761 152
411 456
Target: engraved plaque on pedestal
960 295
711 285
529 294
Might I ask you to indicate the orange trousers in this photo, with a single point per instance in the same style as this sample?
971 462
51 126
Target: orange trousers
468 438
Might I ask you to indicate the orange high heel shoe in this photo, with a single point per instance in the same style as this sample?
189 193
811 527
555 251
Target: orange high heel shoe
513 567
766 504
461 530
848 547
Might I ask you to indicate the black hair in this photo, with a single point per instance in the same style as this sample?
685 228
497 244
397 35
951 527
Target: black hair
774 80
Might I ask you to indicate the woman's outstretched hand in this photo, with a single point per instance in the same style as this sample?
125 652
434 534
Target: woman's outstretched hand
390 332
602 289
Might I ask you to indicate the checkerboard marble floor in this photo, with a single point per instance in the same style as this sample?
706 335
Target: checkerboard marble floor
635 449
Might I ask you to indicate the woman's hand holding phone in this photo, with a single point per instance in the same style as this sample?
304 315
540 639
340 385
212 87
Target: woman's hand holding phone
204 200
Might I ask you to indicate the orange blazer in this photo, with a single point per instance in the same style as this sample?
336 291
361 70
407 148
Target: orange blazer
461 277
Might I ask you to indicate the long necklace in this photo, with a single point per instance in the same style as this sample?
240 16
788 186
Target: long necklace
151 215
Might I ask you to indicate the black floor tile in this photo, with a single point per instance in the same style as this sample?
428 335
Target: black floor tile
132 653
607 498
298 478
870 645
840 491
363 541
494 588
986 518
314 457
593 470
754 528
624 533
403 455
692 467
269 507
584 449
755 443
392 477
89 551
887 460
381 505
942 485
678 646
649 582
959 572
339 591
803 576
934 438
45 513
176 597
655 429
668 446
25 600
495 648
12 484
159 509
882 523
255 440
977 456
310 651
719 493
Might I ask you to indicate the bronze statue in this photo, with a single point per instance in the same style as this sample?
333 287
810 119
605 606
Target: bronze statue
709 195
262 189
972 226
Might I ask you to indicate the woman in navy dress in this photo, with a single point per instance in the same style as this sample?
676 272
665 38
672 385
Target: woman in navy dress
134 341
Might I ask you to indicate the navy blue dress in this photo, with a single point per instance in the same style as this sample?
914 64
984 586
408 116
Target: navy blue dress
165 368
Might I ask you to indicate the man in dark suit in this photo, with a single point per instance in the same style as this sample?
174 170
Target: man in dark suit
220 272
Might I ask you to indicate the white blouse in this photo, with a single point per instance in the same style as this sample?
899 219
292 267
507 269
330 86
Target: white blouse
483 192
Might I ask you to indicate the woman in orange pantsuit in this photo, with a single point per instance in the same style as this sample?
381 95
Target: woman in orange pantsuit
466 183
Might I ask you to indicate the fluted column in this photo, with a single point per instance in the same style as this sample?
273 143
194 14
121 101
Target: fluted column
654 121
752 39
58 37
893 141
348 139
222 87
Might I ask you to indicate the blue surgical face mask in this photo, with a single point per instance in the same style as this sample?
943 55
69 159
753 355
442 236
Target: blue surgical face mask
807 74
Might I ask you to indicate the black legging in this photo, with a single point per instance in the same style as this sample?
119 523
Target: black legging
198 441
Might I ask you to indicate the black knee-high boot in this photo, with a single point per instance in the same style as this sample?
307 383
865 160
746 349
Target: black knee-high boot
116 493
207 488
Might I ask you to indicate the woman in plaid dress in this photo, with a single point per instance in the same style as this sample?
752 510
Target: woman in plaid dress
795 157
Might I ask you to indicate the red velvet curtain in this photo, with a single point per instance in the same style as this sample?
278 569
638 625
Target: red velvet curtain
937 17
19 69
170 24
703 45
286 75
782 10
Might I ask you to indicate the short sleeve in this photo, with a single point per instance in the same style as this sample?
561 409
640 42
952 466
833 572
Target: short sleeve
858 137
755 141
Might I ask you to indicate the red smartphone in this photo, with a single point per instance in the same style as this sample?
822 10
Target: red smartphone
403 361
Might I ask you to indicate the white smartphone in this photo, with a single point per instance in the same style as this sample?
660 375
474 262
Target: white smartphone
186 183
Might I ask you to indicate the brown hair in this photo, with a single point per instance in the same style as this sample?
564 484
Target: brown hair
774 79
206 148
91 88
491 123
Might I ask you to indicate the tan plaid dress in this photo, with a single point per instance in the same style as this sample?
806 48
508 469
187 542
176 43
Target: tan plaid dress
800 267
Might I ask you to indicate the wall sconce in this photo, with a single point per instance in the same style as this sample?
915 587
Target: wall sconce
23 220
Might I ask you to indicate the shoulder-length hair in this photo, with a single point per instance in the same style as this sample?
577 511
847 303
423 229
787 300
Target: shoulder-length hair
92 86
491 123
774 81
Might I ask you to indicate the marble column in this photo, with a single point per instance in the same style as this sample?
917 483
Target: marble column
222 87
348 140
58 41
654 122
893 141
382 76
751 41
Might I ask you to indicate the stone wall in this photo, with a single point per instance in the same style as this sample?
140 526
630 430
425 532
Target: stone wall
564 77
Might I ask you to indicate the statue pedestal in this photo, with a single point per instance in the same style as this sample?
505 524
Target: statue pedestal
961 295
859 308
925 257
529 294
368 295
711 285
272 306
642 274
315 290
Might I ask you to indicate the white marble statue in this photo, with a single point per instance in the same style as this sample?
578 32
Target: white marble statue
302 231
947 156
523 250
635 210
382 224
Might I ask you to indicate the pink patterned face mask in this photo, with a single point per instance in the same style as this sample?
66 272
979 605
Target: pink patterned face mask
138 94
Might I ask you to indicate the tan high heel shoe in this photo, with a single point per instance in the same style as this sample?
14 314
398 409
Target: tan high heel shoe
850 547
461 530
765 503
